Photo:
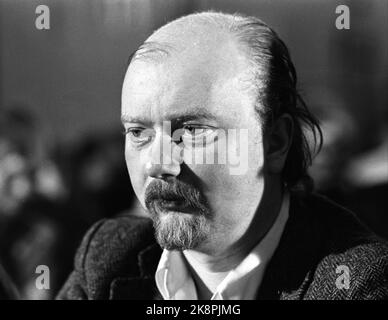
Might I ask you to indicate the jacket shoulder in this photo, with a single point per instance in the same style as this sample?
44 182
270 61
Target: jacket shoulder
354 261
359 273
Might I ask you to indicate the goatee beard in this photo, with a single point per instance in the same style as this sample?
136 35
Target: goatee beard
180 231
174 229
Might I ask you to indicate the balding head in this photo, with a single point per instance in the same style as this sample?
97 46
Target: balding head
206 41
196 34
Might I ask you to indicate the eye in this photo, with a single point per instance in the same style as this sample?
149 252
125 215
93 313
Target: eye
193 130
135 132
139 135
197 134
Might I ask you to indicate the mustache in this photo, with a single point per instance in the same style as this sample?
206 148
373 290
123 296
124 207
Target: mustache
176 190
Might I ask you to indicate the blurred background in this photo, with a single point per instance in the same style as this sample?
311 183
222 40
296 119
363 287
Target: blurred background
61 148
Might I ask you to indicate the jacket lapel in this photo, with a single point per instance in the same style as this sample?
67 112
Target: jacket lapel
291 269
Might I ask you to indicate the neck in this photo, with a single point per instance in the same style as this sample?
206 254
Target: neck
209 269
206 280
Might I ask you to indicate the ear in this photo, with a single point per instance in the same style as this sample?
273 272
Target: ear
278 141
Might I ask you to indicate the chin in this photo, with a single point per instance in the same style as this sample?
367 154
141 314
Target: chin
181 231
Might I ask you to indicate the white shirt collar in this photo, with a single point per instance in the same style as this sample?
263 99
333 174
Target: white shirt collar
174 280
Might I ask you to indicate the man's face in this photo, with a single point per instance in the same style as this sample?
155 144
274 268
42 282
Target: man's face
180 114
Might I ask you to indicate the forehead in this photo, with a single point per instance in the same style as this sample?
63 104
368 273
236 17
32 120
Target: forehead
212 78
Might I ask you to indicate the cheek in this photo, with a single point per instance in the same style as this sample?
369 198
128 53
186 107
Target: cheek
215 184
234 196
219 187
237 162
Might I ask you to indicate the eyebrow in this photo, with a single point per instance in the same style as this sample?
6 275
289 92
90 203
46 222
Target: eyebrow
199 114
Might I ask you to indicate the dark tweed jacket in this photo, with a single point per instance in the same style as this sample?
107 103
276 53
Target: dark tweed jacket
118 258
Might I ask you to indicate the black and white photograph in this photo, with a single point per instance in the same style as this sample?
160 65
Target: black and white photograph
213 150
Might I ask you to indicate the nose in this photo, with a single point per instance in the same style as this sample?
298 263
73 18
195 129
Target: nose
163 159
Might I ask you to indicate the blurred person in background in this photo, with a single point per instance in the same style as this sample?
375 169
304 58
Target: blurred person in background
36 225
356 179
17 141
